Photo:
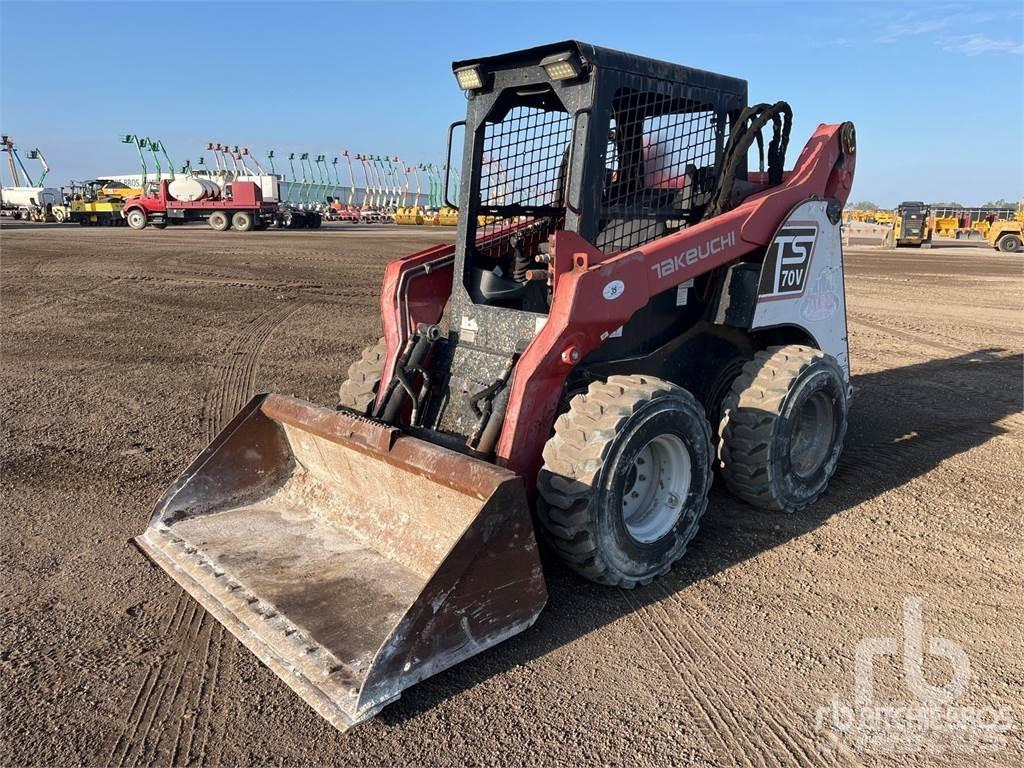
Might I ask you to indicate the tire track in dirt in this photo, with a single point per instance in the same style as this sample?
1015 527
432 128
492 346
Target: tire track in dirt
688 647
723 731
157 729
118 753
56 298
922 338
694 622
914 448
308 289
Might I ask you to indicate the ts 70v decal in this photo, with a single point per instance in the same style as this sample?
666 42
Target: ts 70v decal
788 261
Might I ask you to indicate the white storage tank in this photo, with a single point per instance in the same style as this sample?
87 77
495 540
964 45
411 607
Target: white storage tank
30 197
190 189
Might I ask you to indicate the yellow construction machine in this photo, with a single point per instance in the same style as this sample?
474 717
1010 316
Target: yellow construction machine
947 226
1007 236
97 202
448 217
910 226
409 215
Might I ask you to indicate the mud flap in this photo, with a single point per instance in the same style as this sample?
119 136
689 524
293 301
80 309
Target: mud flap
353 560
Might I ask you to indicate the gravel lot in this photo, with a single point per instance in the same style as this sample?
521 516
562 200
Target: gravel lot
123 353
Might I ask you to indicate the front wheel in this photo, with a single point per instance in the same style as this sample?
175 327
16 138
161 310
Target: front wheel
359 391
1009 244
625 479
136 219
219 221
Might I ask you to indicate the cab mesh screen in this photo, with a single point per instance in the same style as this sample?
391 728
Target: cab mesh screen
660 166
522 169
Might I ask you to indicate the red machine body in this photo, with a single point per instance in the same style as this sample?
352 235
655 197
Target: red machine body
625 309
416 289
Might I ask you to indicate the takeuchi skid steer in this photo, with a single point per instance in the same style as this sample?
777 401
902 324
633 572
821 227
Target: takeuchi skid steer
626 306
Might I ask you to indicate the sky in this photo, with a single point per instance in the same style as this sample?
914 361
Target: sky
936 90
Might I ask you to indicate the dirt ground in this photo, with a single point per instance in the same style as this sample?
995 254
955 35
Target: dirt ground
123 353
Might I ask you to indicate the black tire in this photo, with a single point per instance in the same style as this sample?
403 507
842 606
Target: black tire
359 391
219 221
242 221
1009 244
783 425
592 471
160 225
136 218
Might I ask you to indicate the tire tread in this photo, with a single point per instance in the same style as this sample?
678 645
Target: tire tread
749 413
573 459
359 391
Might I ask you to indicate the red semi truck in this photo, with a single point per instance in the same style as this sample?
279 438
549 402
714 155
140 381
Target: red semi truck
241 207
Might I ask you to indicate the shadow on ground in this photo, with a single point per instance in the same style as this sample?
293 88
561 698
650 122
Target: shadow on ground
903 423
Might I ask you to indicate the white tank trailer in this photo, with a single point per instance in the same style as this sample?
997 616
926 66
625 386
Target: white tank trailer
191 189
30 197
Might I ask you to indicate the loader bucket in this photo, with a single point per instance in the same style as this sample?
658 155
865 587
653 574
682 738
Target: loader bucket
352 559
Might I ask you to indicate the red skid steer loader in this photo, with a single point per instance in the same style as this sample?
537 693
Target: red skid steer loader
627 305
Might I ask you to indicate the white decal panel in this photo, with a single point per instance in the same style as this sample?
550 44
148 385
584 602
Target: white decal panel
801 280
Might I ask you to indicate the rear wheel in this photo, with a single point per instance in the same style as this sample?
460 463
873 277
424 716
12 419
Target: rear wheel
219 221
242 221
625 479
359 391
136 219
783 426
1009 244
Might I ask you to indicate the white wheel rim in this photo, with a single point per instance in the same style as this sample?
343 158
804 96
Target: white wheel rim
656 488
135 218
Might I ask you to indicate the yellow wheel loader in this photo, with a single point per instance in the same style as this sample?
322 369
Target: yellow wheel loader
1007 236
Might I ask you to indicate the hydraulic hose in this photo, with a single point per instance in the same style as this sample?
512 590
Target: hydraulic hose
745 131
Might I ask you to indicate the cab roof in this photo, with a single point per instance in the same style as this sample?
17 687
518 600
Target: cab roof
607 58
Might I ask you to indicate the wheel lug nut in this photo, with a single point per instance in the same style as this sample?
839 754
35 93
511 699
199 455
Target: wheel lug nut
642 478
635 495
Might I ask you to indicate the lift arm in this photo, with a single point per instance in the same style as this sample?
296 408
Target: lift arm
131 138
35 154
